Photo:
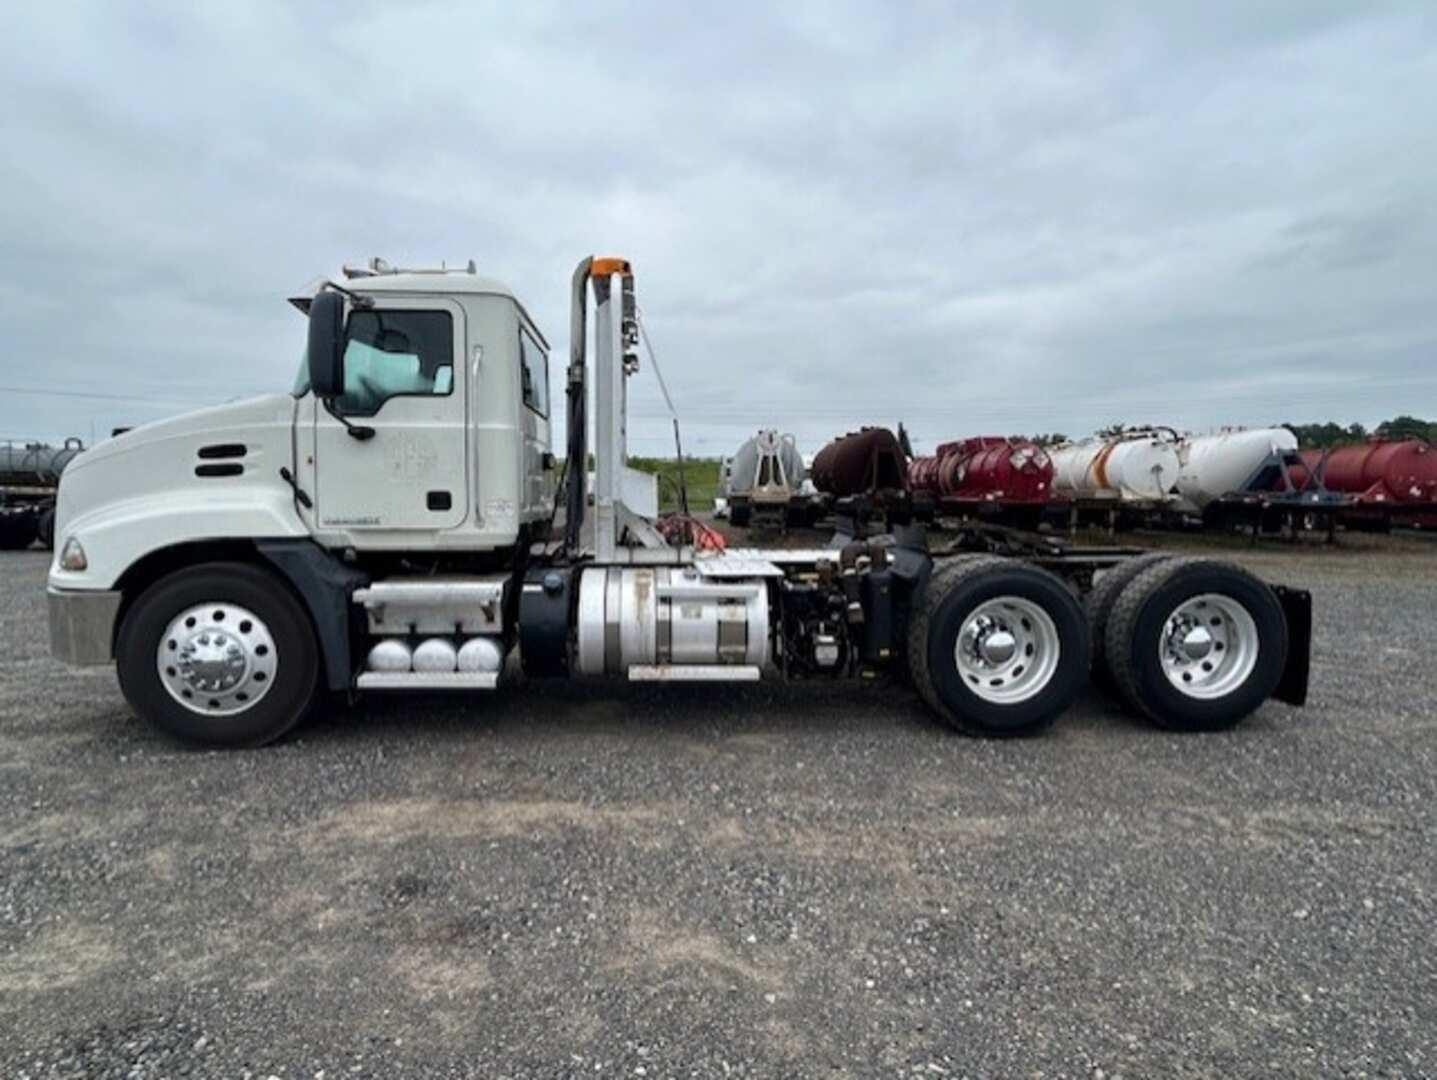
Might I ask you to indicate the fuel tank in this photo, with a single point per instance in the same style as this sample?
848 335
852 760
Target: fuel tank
1133 466
668 615
1379 470
863 461
1214 465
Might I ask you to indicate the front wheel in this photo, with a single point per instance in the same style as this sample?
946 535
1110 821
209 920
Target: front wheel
997 647
220 654
1196 644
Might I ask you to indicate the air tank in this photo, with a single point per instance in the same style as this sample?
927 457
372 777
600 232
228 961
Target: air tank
481 654
766 459
1379 470
38 464
863 461
390 655
1133 466
1214 465
436 654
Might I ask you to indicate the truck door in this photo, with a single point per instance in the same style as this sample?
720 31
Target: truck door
404 377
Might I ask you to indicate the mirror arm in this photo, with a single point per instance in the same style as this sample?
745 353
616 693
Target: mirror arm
358 300
355 431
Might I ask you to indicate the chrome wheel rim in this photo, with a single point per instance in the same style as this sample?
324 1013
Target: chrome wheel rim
1007 650
217 659
1208 646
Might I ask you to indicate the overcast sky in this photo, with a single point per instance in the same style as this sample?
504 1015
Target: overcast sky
971 217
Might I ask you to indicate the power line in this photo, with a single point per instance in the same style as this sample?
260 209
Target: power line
96 396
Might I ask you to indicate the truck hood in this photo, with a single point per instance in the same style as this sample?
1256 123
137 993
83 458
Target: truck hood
208 474
211 421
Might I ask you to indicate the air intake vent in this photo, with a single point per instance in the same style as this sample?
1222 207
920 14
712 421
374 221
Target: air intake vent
223 450
233 468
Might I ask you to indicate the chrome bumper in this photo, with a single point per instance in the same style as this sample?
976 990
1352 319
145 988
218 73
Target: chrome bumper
82 626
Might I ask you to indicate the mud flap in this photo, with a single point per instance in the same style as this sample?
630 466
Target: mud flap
1297 609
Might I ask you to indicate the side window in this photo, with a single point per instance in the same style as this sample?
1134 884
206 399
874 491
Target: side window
395 354
534 363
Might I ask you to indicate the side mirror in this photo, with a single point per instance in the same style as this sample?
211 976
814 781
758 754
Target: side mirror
326 344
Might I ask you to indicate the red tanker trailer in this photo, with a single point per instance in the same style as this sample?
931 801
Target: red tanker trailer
1398 474
988 467
988 476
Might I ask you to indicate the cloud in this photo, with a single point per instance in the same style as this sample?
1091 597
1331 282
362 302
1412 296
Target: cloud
973 218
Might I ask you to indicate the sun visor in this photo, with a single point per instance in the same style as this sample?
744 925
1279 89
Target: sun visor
302 298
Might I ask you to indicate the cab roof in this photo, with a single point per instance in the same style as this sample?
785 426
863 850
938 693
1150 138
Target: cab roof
379 277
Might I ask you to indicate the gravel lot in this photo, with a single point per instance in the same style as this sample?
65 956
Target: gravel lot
765 882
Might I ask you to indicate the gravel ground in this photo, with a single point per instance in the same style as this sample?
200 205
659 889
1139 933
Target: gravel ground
761 882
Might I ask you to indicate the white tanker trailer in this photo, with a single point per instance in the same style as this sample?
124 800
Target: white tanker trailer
763 478
1135 466
1225 461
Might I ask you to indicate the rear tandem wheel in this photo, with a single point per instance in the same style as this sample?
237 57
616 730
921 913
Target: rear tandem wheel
1196 644
997 647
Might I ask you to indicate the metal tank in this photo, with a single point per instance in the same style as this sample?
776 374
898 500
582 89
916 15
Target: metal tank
1134 466
863 461
663 616
1215 465
995 468
38 464
1379 470
923 474
766 460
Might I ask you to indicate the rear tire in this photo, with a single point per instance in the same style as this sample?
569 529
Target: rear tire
221 654
45 527
739 514
1196 644
997 647
1099 607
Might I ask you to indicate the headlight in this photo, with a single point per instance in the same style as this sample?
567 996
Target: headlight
72 556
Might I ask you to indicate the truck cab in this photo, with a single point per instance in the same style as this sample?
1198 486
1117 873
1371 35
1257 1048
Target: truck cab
451 376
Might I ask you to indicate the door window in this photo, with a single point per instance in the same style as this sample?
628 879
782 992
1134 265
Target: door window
396 354
535 374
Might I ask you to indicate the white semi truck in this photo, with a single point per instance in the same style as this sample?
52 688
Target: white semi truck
386 527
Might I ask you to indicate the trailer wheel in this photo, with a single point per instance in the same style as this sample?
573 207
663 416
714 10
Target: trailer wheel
1196 644
220 654
739 514
17 530
1099 606
997 647
45 528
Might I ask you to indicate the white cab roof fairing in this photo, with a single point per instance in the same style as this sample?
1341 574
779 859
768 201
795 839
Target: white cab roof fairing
446 283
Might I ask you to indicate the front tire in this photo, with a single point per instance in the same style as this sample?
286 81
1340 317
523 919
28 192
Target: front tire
997 647
1196 644
221 654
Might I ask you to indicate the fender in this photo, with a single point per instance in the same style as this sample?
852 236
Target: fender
325 585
